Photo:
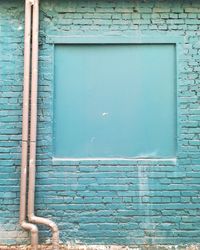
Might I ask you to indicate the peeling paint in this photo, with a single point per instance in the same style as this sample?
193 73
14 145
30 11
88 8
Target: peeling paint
16 235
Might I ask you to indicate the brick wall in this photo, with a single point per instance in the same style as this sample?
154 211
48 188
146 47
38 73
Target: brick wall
134 202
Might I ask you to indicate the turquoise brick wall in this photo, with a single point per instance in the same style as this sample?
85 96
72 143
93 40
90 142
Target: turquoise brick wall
134 202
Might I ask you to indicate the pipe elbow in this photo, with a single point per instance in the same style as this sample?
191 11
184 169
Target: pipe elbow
23 224
34 229
39 220
31 218
28 226
34 233
54 227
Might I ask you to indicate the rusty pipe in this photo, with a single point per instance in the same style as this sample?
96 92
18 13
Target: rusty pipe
33 132
25 128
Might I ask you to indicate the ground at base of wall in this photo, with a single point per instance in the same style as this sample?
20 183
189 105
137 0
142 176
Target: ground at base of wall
104 247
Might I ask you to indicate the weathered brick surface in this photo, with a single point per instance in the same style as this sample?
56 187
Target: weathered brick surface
136 203
103 247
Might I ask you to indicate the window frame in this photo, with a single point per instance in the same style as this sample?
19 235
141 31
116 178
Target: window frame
134 40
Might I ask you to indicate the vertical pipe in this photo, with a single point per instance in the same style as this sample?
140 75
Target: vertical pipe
33 132
25 128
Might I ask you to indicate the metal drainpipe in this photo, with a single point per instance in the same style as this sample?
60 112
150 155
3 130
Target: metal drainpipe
25 128
33 133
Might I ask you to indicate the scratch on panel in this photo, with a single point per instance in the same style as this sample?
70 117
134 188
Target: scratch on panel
105 114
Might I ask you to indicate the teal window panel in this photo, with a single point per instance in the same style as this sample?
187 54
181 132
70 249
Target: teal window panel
115 101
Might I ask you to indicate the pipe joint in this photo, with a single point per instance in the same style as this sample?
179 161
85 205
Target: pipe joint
34 229
34 233
53 226
35 219
31 218
28 226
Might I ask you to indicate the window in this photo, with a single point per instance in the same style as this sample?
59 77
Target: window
115 101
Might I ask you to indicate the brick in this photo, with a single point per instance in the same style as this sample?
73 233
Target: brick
121 203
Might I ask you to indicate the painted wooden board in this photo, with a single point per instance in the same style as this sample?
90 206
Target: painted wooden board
116 100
